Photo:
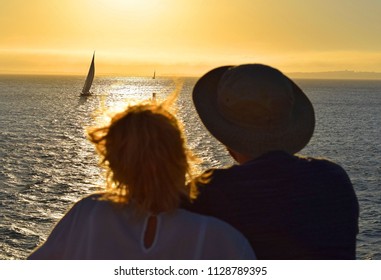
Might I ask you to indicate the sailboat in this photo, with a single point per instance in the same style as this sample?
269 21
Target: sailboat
89 79
154 74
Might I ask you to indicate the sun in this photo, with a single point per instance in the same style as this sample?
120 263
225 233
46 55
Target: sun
132 13
141 7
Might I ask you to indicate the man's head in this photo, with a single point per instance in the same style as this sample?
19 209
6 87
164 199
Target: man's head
253 109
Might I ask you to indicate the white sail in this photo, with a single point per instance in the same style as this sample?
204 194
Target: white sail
89 78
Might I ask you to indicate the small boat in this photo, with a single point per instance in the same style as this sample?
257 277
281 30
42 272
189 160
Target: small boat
89 79
154 75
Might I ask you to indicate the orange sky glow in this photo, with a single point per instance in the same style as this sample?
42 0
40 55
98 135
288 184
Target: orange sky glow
188 37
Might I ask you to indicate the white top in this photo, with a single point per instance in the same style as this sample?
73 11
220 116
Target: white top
96 229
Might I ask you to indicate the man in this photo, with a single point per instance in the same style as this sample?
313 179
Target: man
287 206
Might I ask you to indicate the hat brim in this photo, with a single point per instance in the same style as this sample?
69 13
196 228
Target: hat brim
246 140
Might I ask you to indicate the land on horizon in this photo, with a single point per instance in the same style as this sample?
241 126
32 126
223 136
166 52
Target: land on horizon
337 75
327 75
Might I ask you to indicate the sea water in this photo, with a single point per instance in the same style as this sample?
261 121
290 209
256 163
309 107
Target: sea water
46 163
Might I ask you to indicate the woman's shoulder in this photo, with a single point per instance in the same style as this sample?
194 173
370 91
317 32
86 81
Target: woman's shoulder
92 204
220 239
93 199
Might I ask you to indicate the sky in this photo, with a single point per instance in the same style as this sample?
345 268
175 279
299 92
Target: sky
188 37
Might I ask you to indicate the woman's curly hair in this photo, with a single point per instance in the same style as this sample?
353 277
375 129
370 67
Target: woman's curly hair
146 158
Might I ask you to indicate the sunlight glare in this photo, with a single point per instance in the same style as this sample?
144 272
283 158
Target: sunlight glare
142 9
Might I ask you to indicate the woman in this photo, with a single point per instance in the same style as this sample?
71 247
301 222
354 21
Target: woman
138 216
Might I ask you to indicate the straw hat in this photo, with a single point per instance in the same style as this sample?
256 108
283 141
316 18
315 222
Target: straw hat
254 109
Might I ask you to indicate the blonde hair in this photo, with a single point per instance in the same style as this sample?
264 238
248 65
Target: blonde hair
147 162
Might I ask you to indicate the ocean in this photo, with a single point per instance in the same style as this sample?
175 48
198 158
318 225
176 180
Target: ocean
46 163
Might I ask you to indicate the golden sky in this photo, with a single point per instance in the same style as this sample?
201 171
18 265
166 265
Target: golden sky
188 37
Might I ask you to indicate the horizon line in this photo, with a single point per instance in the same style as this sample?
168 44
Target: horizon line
335 74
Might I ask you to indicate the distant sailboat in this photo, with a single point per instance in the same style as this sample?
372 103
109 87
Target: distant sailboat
154 75
89 79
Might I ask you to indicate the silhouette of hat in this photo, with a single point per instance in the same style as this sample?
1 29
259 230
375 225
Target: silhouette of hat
254 109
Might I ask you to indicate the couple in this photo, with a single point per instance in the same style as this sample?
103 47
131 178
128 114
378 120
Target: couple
271 205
